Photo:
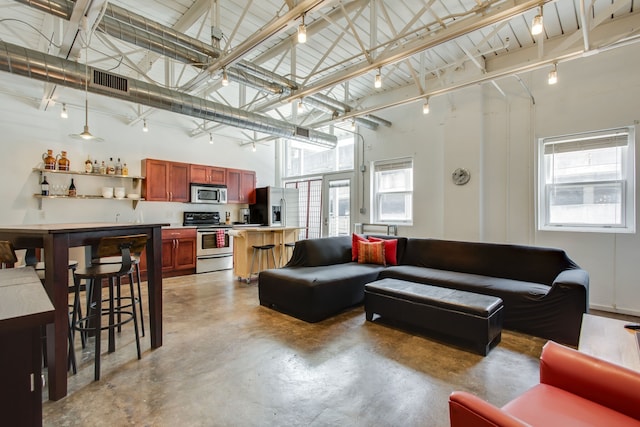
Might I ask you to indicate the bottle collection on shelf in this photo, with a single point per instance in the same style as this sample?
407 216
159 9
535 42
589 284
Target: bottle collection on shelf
62 163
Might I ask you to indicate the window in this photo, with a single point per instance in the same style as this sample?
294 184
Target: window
392 191
304 159
586 182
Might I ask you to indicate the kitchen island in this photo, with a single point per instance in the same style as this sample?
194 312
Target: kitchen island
245 237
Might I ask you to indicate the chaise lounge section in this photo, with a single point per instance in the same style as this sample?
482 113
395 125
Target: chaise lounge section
544 292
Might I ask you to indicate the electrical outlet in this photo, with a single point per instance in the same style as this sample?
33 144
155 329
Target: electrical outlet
363 210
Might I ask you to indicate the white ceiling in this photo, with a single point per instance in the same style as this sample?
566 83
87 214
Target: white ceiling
419 46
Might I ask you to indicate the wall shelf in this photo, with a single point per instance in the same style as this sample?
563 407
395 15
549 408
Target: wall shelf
135 182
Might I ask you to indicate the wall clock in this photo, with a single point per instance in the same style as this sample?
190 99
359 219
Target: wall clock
460 176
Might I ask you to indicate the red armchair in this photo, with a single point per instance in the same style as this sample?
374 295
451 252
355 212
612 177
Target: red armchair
575 390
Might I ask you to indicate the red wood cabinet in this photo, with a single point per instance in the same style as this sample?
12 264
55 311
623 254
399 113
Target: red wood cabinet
201 174
241 186
178 252
165 181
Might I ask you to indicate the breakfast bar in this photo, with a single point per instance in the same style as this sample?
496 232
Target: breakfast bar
56 239
246 237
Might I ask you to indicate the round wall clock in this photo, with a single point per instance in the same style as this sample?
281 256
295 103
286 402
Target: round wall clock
460 176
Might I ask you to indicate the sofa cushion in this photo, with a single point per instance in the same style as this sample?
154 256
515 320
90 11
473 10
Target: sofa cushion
323 251
355 238
371 253
390 249
545 405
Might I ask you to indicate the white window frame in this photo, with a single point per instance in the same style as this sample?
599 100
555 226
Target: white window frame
623 137
377 195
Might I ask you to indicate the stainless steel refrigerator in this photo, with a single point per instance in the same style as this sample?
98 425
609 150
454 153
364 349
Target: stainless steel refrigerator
276 206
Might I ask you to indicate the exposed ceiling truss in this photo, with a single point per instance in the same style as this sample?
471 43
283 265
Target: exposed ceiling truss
418 46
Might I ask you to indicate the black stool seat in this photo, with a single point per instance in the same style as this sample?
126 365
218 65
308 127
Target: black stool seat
260 249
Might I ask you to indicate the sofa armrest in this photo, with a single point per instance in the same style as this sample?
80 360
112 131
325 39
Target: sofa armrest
594 379
467 410
572 278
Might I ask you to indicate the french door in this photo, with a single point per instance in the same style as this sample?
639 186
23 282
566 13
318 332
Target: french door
337 204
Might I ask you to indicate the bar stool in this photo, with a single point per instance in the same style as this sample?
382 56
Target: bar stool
259 249
71 355
117 312
135 260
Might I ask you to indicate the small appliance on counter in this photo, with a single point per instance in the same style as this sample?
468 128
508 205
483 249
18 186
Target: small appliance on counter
214 245
245 217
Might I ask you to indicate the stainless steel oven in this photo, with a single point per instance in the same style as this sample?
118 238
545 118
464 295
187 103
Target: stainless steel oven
214 245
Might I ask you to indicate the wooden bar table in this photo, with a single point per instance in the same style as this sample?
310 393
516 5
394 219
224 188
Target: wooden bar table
608 339
56 239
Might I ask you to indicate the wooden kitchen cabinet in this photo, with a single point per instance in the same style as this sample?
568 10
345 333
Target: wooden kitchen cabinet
202 174
178 252
165 181
241 186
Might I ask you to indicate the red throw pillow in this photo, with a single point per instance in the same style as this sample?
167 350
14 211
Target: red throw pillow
390 249
355 238
371 252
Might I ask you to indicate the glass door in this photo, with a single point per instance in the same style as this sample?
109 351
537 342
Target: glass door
337 204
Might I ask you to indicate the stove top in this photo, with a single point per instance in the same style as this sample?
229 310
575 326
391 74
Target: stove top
209 219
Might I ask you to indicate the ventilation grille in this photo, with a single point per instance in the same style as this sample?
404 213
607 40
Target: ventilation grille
304 132
109 81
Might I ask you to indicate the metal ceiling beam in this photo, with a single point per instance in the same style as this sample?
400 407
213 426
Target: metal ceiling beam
502 11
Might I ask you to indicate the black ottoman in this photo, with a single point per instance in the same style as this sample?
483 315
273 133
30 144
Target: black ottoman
467 319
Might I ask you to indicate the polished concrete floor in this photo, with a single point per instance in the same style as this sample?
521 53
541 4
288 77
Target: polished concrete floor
227 361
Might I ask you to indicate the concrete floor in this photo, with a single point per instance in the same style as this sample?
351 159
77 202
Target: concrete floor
227 361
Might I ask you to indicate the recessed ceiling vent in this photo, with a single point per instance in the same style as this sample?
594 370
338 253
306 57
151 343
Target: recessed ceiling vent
304 132
109 81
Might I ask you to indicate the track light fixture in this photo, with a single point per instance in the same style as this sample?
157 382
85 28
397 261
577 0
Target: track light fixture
210 138
553 75
353 124
300 106
377 83
253 147
145 128
425 107
537 24
302 31
225 77
64 113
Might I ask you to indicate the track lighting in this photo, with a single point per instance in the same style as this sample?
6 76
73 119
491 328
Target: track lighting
225 77
145 128
353 124
377 83
302 31
210 138
300 106
425 107
553 75
63 113
536 24
253 147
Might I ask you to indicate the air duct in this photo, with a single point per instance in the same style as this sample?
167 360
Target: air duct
52 69
153 36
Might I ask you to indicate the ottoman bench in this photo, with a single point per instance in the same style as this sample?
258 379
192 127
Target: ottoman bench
467 319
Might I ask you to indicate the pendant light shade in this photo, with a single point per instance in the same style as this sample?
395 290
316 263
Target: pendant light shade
85 134
537 24
302 31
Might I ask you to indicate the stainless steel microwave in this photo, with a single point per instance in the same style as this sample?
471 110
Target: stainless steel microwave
201 193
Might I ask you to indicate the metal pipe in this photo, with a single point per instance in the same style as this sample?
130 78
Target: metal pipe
41 66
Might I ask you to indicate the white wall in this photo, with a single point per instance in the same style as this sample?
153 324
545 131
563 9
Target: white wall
27 132
494 137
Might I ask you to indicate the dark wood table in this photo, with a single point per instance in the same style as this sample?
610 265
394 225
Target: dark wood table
56 239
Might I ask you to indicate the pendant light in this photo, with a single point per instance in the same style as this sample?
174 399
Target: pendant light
64 114
552 78
85 134
537 24
210 138
225 78
302 32
145 128
425 107
377 82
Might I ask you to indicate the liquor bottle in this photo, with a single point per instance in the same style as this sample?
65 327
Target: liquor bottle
96 167
88 166
118 167
72 189
125 170
103 168
44 186
111 169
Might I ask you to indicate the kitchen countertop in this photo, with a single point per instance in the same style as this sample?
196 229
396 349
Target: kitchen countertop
263 228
